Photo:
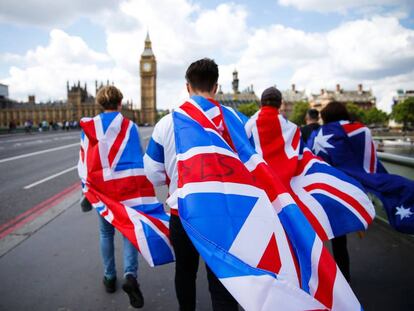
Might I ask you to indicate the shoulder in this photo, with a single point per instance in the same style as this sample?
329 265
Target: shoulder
162 128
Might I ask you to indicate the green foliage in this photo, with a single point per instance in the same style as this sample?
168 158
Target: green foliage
161 113
374 116
299 113
248 109
355 112
403 112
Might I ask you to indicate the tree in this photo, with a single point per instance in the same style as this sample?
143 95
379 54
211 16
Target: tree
403 112
161 113
375 116
248 109
299 113
356 113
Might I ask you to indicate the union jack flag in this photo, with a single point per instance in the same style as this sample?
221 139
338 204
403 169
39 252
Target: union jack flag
334 203
114 182
348 146
244 223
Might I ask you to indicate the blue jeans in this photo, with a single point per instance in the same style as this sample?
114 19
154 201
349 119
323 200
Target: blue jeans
107 232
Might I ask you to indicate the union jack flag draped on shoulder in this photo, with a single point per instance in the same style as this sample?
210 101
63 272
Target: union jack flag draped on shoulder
349 147
333 202
114 182
244 223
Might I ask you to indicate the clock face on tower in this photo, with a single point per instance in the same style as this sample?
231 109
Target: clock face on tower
146 67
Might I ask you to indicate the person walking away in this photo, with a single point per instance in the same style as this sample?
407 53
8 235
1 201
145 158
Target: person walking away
109 98
160 165
312 124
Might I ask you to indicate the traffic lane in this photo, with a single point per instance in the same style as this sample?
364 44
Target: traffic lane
15 199
14 147
27 171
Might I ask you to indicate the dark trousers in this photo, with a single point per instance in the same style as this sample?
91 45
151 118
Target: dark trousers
186 266
340 253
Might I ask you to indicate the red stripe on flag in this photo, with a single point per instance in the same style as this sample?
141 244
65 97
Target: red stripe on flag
326 275
350 127
273 144
270 260
344 196
213 167
157 223
118 141
198 116
316 225
373 159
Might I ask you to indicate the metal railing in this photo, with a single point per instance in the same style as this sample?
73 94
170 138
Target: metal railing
396 164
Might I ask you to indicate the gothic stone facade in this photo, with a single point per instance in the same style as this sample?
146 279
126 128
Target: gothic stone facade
148 73
236 98
78 104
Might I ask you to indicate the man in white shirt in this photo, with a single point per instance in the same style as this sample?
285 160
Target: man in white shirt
160 165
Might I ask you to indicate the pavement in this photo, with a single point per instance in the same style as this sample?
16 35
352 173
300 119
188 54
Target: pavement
49 260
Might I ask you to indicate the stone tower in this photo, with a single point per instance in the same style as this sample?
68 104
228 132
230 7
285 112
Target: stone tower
76 95
148 72
235 82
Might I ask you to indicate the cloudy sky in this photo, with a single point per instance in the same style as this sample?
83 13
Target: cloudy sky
312 43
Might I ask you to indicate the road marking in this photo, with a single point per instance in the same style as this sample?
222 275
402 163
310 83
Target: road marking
50 177
20 220
38 152
47 136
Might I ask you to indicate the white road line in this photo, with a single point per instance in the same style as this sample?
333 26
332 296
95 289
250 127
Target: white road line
38 152
50 177
48 138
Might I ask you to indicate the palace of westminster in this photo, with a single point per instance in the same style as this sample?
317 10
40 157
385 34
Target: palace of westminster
80 103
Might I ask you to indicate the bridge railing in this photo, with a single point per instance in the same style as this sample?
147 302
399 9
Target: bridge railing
397 164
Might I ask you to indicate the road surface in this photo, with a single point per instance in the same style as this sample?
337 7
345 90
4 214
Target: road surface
58 267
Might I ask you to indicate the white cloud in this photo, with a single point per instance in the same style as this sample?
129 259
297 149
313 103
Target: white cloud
51 12
376 51
45 70
343 6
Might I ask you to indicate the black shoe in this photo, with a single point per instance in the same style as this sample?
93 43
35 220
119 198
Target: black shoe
110 284
131 287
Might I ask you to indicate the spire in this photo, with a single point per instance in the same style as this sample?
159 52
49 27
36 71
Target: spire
235 82
148 46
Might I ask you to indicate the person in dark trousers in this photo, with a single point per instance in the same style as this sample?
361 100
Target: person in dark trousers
333 112
312 124
160 165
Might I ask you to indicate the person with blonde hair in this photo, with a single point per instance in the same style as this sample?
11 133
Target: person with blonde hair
97 133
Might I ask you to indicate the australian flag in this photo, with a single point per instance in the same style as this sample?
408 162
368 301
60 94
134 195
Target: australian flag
113 179
348 146
244 223
334 203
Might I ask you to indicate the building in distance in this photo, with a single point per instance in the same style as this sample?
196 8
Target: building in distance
290 98
402 95
362 98
235 98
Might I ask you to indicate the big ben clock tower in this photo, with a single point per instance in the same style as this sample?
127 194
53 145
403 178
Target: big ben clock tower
148 72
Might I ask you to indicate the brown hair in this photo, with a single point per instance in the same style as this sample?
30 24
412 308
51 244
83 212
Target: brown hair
109 97
334 111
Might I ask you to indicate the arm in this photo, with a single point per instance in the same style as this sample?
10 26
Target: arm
154 162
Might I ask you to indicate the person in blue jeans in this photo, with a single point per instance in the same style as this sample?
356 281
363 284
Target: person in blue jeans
110 98
107 232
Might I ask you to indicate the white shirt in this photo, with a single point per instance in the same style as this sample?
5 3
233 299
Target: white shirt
160 159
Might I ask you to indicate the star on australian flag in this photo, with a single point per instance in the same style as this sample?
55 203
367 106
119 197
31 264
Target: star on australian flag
321 142
403 212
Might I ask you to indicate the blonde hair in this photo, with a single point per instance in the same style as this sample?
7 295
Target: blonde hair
109 97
